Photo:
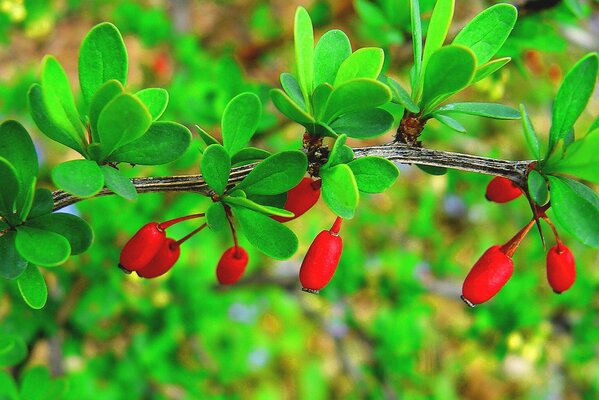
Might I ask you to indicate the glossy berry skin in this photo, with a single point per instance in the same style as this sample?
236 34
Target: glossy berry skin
231 265
142 247
163 261
502 190
321 261
488 275
301 198
561 268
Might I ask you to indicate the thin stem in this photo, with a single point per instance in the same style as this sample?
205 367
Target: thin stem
190 234
510 247
236 243
167 224
557 238
336 226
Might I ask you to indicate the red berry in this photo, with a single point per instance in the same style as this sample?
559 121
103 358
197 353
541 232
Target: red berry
502 190
322 259
231 265
142 247
490 273
561 268
163 261
301 198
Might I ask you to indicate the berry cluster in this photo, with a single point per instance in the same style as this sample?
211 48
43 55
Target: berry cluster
495 267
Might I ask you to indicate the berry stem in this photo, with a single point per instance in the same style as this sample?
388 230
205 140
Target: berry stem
190 234
557 238
336 226
167 224
510 247
316 184
230 221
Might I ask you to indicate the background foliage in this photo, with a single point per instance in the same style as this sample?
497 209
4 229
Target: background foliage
390 324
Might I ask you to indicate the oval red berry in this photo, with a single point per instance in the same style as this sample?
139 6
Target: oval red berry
321 261
502 190
301 198
561 268
142 247
488 275
231 265
163 261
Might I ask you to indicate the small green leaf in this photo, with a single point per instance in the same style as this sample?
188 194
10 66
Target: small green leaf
449 122
124 119
266 210
291 87
163 143
102 57
364 124
216 168
8 387
33 287
537 188
290 109
118 183
340 190
275 200
248 155
11 263
416 26
45 124
82 178
572 98
532 140
104 95
449 70
363 63
400 96
432 170
486 33
13 350
42 247
576 208
374 174
276 174
581 159
216 217
155 99
488 110
267 235
340 153
206 137
332 49
43 203
489 68
240 120
356 95
77 232
320 99
9 182
437 29
304 53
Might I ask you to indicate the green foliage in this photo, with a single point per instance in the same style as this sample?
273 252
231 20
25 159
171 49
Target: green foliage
374 174
537 187
340 190
33 287
82 178
239 122
276 174
118 183
12 350
216 167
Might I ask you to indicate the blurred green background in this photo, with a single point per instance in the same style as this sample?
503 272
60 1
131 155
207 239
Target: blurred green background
390 324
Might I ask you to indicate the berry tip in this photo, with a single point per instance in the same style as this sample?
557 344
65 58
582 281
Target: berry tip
313 291
125 270
468 302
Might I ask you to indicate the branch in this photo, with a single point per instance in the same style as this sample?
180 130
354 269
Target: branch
399 153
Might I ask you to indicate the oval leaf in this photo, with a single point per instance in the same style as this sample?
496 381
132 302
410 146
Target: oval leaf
42 247
240 120
331 50
304 52
104 95
537 188
78 232
9 182
82 178
340 191
363 63
155 99
488 110
266 210
216 217
364 124
118 183
374 174
356 95
276 174
33 287
11 263
216 168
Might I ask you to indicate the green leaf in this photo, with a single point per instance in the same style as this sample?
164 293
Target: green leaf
81 178
581 159
449 122
530 135
42 247
363 63
13 350
124 119
576 208
102 57
437 29
11 263
155 99
340 153
486 33
216 168
572 98
537 188
449 70
249 204
267 235
320 99
364 124
276 174
340 190
43 203
58 99
104 95
356 95
332 49
374 174
216 217
118 183
488 110
240 120
33 287
289 109
9 182
416 26
276 200
432 170
8 387
78 232
400 96
292 88
206 137
304 53
248 155
489 68
594 125
163 143
44 122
